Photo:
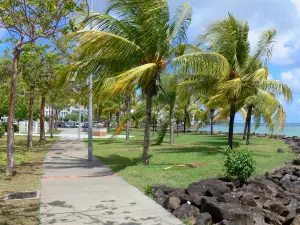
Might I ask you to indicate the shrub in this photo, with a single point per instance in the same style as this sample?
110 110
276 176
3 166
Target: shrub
16 127
149 191
238 164
2 130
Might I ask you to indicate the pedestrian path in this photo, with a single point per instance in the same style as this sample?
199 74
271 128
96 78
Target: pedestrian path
76 191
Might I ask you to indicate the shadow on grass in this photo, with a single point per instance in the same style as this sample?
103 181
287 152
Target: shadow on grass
118 163
203 151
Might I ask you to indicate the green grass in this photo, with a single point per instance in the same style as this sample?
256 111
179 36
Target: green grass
55 132
28 178
125 159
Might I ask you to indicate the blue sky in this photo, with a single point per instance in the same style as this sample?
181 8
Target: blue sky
283 15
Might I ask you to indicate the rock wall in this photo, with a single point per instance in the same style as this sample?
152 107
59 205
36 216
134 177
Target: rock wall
270 199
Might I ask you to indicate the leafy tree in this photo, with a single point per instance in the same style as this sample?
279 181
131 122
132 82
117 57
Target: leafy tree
229 37
137 47
28 21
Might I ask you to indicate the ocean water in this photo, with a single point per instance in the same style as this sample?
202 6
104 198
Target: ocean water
291 129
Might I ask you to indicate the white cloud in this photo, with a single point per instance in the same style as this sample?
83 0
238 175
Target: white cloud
297 4
292 79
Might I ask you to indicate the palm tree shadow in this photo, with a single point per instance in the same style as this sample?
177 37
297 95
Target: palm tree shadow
118 162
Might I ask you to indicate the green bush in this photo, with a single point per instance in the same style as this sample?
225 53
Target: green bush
16 127
2 130
238 164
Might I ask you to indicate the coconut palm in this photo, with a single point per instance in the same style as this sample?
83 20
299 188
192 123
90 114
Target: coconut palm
229 37
136 45
264 104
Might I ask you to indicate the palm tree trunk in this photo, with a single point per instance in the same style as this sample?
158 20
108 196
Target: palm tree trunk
172 124
245 129
231 122
212 111
30 119
185 120
128 110
51 122
108 122
98 113
147 126
10 169
249 114
42 119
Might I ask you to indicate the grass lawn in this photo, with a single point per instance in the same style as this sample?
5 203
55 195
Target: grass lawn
125 159
55 132
28 178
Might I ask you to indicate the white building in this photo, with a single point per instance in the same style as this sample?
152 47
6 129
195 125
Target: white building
66 111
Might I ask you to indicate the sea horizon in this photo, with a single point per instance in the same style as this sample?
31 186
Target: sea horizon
290 129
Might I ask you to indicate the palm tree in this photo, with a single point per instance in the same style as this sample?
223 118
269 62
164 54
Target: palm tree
229 37
136 45
264 104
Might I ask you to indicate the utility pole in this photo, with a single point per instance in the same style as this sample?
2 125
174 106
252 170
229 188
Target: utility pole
90 131
79 121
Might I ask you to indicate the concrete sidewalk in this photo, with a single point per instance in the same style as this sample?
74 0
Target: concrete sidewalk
75 191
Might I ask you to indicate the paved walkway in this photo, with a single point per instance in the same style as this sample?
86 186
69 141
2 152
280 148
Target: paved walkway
75 191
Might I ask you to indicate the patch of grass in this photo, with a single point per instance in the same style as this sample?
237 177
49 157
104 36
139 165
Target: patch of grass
28 178
55 132
125 159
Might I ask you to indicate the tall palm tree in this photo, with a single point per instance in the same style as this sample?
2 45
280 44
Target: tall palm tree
136 45
264 104
229 37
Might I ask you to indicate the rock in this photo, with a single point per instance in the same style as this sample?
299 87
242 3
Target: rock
228 211
292 207
172 203
296 220
204 219
248 199
208 187
225 222
229 198
160 197
186 211
186 198
276 207
280 150
179 193
273 218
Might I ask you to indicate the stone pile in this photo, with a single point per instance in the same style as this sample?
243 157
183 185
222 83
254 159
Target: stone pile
270 199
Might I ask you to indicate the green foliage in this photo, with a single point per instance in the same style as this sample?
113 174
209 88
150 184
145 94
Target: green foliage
187 221
2 130
162 132
238 164
149 191
16 127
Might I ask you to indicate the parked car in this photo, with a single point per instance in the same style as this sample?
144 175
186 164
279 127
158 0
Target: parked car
69 124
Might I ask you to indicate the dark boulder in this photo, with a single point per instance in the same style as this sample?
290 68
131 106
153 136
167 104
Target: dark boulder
186 211
209 187
229 198
280 150
273 218
160 197
204 219
228 211
276 207
248 199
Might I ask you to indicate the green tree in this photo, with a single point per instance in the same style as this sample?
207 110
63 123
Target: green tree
137 47
229 37
28 21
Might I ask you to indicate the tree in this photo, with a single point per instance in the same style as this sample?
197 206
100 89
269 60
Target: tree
137 47
229 37
28 21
